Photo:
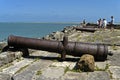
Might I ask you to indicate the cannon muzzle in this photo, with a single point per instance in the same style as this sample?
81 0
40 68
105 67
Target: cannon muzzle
99 51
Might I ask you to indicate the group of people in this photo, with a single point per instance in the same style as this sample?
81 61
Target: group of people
102 23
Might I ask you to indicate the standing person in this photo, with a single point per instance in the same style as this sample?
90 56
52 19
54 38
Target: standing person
84 23
99 22
104 25
112 20
112 23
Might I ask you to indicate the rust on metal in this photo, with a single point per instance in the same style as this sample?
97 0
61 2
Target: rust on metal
64 47
85 29
65 42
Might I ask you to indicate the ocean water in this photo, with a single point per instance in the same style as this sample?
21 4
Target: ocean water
33 30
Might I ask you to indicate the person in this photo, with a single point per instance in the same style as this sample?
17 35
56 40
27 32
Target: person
104 24
112 20
112 23
84 23
99 22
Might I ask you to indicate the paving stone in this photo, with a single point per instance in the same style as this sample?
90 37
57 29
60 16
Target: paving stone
102 65
98 75
64 64
74 76
115 71
16 66
5 76
52 73
40 53
44 53
30 72
53 54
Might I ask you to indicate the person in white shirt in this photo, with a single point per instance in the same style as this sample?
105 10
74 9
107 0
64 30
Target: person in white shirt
104 23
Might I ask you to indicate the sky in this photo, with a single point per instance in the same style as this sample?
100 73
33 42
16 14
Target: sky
58 10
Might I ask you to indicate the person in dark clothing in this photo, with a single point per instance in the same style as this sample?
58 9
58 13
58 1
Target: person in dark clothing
112 23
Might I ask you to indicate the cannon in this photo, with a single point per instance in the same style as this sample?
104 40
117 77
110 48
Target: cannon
87 29
64 47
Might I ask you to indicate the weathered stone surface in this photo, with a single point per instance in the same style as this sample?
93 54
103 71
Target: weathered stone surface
68 30
55 36
5 76
75 76
29 73
75 37
6 57
16 66
115 59
18 55
102 65
40 53
98 75
64 64
58 35
2 45
86 63
52 73
3 59
43 53
115 72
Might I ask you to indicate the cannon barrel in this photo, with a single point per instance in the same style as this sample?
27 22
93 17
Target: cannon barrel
87 29
99 51
32 43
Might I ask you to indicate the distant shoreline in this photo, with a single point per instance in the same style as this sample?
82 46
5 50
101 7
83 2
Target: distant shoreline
77 23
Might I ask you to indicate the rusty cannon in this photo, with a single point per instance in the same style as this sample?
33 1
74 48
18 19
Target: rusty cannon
64 47
86 29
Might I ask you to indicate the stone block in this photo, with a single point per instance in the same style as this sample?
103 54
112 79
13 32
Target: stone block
3 58
7 57
18 55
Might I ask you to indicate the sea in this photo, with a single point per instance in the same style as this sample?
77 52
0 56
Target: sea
32 30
